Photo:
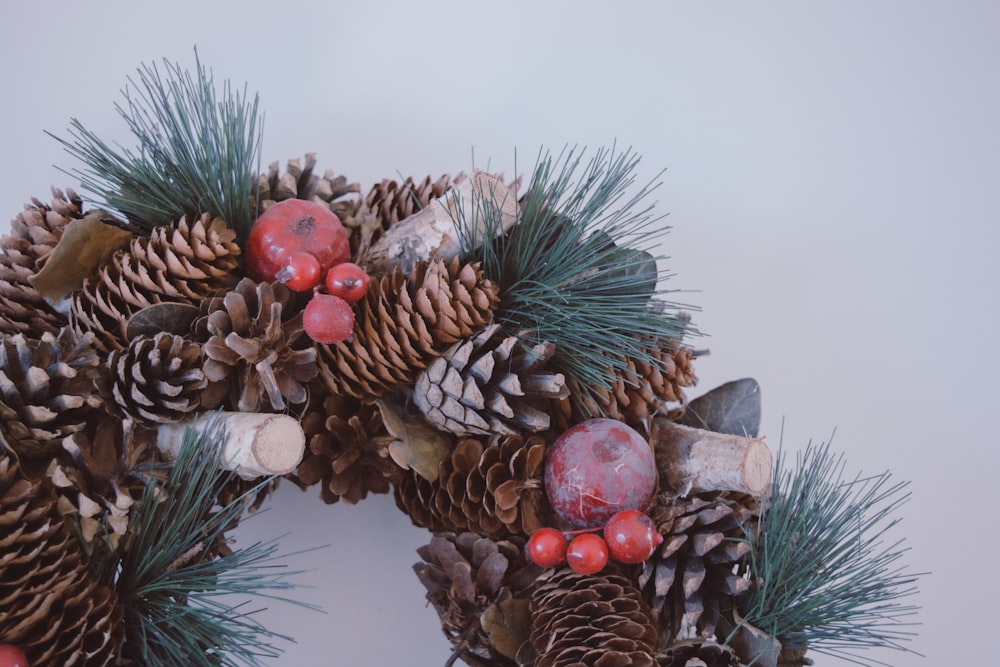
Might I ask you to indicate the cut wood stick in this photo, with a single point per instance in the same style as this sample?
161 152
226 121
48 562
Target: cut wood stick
259 444
692 460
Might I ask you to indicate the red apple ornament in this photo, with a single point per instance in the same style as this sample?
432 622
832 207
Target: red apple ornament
294 225
597 469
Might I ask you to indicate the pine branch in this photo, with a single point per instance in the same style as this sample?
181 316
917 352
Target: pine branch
176 595
577 268
824 577
196 152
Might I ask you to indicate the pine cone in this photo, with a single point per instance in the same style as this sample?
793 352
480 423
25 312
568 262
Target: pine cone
483 487
184 263
47 391
465 575
347 449
52 608
157 379
598 619
403 323
698 653
253 340
300 181
33 234
694 575
489 384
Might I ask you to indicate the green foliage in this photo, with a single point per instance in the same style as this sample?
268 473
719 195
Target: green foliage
824 577
177 597
196 152
577 270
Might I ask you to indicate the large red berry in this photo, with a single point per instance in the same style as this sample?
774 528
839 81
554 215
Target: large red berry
290 226
598 468
300 271
631 536
546 547
587 554
348 281
328 319
12 656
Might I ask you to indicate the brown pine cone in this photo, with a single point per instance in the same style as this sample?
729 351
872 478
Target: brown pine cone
48 391
34 232
157 379
698 653
52 608
300 181
347 449
464 576
697 572
403 323
253 341
489 384
184 263
598 619
490 488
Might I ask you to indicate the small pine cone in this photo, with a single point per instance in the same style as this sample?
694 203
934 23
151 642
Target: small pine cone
698 653
405 322
492 489
157 379
52 608
347 450
389 201
699 568
34 232
183 263
598 619
465 575
489 384
300 181
48 391
253 340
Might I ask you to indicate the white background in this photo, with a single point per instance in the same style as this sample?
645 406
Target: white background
832 182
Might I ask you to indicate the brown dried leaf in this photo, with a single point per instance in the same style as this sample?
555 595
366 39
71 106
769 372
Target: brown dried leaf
508 624
417 445
85 245
175 318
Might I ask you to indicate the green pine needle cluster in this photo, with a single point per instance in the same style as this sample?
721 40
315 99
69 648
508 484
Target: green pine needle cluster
824 574
196 151
178 600
576 270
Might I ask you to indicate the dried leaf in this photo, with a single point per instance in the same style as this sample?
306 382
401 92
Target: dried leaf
508 624
755 645
85 245
175 318
732 408
417 445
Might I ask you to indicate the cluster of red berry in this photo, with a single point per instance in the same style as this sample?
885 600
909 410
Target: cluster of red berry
12 656
629 537
301 244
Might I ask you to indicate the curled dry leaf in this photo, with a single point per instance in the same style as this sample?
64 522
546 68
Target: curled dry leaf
417 445
508 624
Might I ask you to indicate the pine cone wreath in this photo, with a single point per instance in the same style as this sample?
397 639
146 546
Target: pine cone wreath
489 384
183 263
347 450
50 605
403 323
483 486
598 619
468 578
34 232
254 343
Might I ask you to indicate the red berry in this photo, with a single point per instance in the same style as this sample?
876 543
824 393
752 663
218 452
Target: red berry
348 281
587 554
598 468
300 271
290 226
631 536
12 656
546 547
328 319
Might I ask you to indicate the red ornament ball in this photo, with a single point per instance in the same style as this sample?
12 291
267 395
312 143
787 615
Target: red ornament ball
12 656
631 536
300 271
597 469
587 553
294 225
348 281
546 547
328 319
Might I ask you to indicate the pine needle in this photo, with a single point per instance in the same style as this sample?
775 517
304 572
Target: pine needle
196 152
824 576
176 596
